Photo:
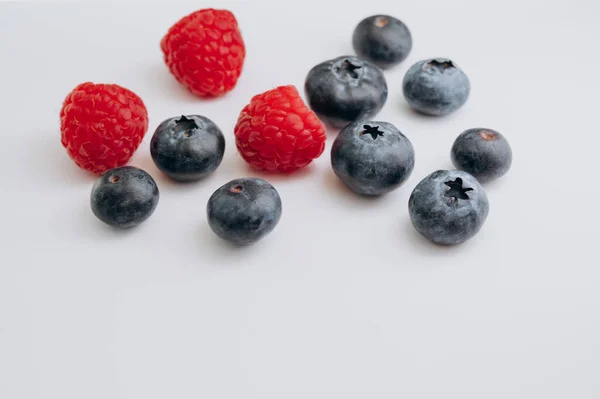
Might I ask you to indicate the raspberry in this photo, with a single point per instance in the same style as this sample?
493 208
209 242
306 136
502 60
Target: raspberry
278 132
205 52
102 125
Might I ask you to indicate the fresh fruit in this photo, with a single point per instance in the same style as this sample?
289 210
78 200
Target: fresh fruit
205 52
383 40
124 197
101 125
448 207
346 89
244 210
483 153
188 147
276 131
436 87
372 158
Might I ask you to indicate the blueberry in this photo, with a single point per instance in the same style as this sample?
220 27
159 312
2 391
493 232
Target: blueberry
187 148
448 207
436 87
345 89
372 158
124 197
244 210
483 153
383 40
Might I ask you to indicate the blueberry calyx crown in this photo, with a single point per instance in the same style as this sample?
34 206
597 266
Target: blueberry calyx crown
347 69
380 22
372 130
457 191
185 124
439 63
487 135
236 189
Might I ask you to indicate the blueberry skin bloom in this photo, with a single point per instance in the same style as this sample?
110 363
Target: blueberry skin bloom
448 207
383 40
372 158
436 87
187 148
124 197
345 89
483 153
244 210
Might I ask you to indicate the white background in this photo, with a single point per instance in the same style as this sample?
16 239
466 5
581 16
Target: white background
343 299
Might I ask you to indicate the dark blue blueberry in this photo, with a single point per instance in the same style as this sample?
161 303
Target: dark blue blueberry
383 40
244 210
483 153
345 89
436 87
124 197
372 158
448 207
188 147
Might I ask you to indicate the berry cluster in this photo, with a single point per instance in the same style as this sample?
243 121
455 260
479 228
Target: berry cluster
102 125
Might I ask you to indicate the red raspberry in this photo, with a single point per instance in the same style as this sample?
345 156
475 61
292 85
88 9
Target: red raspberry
205 52
278 132
102 125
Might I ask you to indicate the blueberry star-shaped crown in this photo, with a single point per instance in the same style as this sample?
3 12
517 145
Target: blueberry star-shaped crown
185 124
372 130
457 190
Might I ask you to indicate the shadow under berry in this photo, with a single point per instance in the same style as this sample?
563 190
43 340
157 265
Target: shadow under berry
339 189
167 86
47 150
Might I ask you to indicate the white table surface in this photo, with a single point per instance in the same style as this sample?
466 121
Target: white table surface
343 299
